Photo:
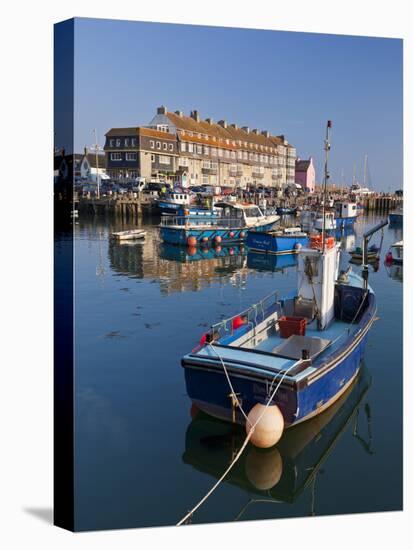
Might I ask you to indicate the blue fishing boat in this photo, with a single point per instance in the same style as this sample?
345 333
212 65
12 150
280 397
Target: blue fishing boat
226 222
345 214
295 354
288 240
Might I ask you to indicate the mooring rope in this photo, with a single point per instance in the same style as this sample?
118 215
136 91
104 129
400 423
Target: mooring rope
209 493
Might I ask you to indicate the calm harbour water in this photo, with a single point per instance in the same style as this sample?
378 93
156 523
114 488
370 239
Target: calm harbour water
142 460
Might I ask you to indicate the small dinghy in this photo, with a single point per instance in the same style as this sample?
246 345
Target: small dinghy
129 235
373 254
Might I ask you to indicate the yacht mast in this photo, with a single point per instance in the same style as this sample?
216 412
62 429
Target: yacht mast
327 147
365 171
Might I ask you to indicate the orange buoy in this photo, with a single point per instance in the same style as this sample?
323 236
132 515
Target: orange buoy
191 241
218 239
269 425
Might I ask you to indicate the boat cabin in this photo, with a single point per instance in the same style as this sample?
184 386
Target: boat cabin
346 209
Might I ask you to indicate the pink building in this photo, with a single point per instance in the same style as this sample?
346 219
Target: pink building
305 174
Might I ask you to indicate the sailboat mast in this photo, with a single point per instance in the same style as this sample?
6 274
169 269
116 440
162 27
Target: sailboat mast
365 171
327 147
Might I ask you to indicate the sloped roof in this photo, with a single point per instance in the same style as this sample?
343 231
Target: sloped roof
302 165
219 131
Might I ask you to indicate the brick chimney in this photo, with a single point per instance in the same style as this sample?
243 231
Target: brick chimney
209 120
179 113
266 133
255 131
162 110
246 129
223 123
235 126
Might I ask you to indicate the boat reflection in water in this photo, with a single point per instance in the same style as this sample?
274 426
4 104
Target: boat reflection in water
178 269
270 262
284 471
194 253
395 271
347 237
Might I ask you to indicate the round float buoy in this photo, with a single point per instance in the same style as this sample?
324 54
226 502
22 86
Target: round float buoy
218 239
242 235
270 425
191 241
264 468
231 234
231 251
204 240
191 250
218 249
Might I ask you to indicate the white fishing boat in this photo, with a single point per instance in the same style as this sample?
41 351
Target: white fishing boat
131 234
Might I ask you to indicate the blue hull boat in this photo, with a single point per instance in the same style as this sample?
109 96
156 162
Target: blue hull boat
224 223
276 242
205 234
294 355
256 358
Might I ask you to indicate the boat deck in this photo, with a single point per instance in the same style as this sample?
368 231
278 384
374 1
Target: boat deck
275 354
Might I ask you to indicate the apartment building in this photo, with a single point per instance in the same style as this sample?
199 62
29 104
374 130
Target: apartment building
192 151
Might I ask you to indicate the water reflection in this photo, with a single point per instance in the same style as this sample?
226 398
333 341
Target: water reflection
177 269
283 472
270 262
395 271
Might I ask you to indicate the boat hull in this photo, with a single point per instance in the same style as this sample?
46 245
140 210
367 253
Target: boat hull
180 235
298 399
275 244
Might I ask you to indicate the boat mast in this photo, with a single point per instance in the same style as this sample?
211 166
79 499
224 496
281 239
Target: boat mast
97 163
365 171
327 147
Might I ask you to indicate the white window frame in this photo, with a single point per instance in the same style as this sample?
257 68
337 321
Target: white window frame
116 156
128 156
151 144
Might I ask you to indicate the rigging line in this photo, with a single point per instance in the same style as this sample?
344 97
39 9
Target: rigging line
221 479
229 381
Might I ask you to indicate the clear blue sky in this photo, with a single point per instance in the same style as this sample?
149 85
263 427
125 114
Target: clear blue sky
284 82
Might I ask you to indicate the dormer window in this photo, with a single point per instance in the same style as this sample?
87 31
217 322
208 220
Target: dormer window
118 142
